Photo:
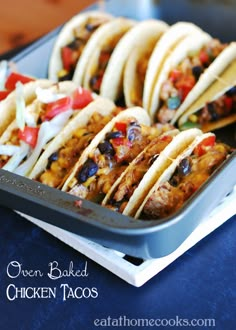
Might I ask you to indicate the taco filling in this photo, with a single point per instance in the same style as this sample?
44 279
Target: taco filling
222 107
189 175
62 161
71 52
104 57
121 145
136 172
183 78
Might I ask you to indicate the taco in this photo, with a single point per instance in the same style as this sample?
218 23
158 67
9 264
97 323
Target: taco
131 188
37 123
165 45
216 107
187 72
71 41
60 156
136 65
183 177
95 56
109 153
112 81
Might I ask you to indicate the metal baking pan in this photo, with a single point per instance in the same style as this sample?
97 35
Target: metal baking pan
138 238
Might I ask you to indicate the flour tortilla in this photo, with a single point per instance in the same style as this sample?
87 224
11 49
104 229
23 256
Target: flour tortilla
219 87
167 174
138 113
164 47
190 44
109 31
100 105
112 83
66 36
8 105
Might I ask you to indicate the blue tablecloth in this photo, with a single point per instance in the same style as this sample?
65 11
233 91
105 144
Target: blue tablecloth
200 285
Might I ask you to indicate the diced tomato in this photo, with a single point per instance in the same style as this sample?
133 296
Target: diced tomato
13 78
121 141
121 127
175 75
67 58
185 85
29 135
81 98
228 102
3 94
54 108
203 57
203 146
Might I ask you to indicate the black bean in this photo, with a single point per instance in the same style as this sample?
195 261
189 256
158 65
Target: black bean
114 135
197 71
106 148
174 181
212 111
52 158
75 44
89 169
91 27
184 167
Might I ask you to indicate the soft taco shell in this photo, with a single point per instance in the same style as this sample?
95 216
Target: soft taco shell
66 36
112 83
164 47
220 86
100 105
108 33
136 112
135 68
8 105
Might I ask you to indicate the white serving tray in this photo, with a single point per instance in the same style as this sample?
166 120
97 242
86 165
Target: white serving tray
138 275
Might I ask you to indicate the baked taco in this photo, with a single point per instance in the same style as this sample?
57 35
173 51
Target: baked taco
165 45
8 83
37 123
183 177
187 72
216 107
62 153
71 41
95 56
112 82
109 153
136 65
133 185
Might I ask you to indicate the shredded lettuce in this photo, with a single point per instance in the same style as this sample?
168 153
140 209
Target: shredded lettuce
47 131
20 106
8 149
3 74
18 156
47 95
